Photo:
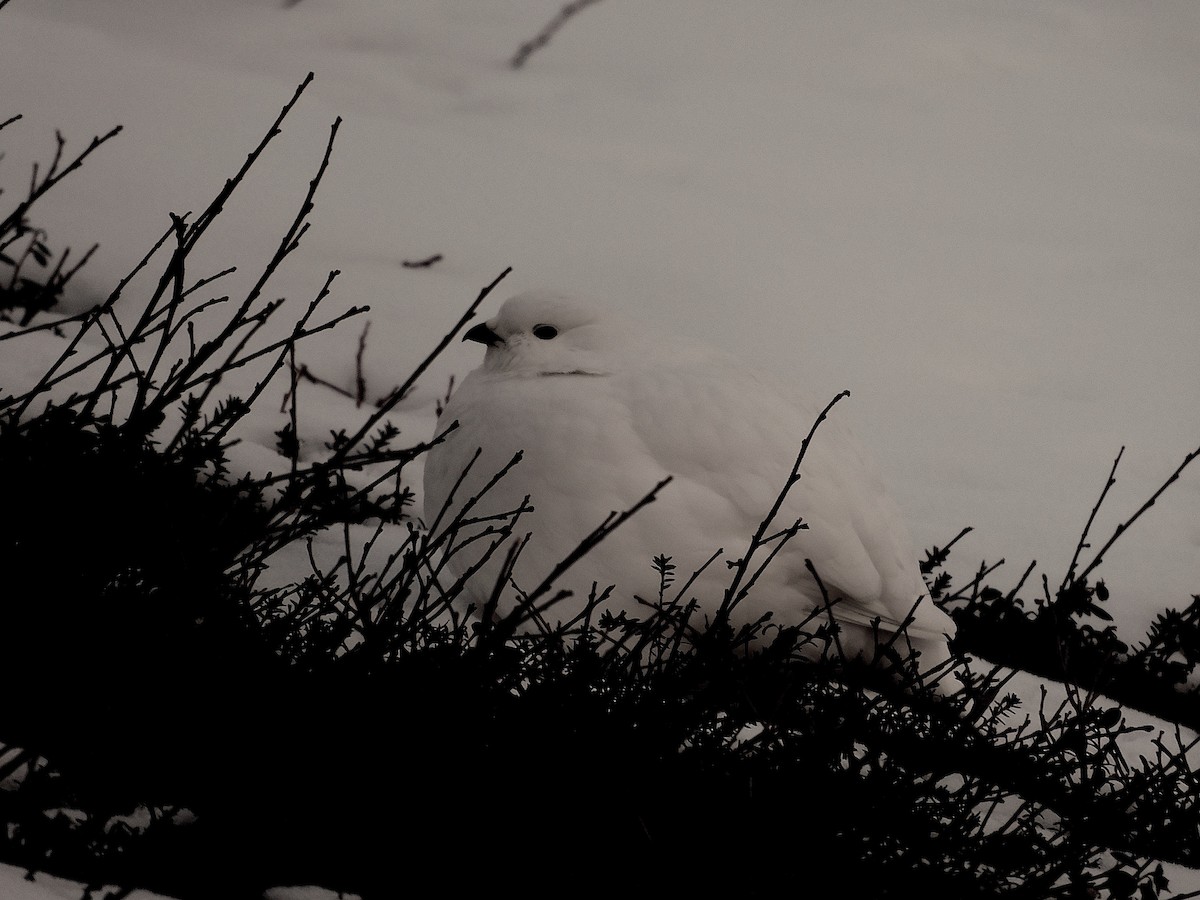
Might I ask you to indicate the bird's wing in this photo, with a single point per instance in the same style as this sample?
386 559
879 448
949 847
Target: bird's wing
708 421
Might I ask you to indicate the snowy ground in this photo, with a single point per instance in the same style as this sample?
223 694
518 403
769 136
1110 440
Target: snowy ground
979 217
982 218
15 886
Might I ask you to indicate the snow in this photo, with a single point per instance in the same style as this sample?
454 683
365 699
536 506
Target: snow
981 218
14 885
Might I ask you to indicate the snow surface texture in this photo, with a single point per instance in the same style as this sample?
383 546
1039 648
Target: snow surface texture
602 409
979 218
15 886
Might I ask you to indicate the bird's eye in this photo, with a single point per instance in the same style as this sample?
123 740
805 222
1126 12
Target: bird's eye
545 332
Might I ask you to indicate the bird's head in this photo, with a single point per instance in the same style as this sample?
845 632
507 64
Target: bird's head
543 333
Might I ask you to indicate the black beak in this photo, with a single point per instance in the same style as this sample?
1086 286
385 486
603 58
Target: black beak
483 335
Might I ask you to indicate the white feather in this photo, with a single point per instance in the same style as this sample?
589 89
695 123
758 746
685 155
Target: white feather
602 411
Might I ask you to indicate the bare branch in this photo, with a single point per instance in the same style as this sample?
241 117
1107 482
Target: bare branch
603 530
735 592
387 403
1124 526
421 263
360 381
543 37
1079 548
53 176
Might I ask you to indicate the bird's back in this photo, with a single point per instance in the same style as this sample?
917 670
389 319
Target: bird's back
602 411
594 445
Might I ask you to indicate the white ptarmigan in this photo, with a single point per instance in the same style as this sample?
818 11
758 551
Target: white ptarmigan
602 411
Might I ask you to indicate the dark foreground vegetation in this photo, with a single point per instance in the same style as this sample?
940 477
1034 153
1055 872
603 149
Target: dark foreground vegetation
169 721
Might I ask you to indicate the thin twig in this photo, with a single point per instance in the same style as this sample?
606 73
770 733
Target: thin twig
282 342
205 219
293 415
421 263
938 555
1020 582
1079 548
53 176
287 244
360 381
613 521
387 403
303 372
175 275
89 320
735 592
459 518
283 346
827 604
543 37
1124 526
